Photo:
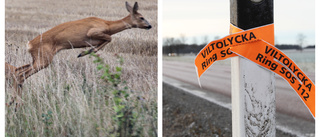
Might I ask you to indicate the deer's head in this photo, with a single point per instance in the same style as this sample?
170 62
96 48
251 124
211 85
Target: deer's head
137 20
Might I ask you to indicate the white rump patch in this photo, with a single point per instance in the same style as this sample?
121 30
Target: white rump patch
29 46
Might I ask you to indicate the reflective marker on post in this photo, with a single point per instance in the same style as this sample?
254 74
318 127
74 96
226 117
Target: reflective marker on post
253 99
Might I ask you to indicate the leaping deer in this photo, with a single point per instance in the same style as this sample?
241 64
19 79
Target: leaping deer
82 33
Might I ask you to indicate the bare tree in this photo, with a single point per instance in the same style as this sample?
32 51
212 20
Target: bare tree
194 40
169 41
182 39
216 37
301 40
205 39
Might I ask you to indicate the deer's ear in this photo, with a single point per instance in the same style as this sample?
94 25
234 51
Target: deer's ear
129 8
135 7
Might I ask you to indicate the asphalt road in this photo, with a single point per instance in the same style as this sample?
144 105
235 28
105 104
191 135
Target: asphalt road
186 113
218 79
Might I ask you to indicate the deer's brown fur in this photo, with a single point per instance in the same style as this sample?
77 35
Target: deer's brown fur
11 79
82 33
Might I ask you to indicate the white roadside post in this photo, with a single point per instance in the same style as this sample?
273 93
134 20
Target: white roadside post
253 92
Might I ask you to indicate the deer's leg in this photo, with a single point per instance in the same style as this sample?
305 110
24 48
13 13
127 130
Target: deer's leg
17 95
11 76
22 67
38 65
96 33
92 50
83 53
100 47
41 60
107 39
17 91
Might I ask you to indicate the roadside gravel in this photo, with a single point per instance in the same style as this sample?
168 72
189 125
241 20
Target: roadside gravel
185 115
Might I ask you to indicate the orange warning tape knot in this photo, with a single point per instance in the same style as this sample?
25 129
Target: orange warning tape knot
257 45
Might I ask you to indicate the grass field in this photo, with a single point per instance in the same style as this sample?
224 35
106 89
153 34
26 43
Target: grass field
68 98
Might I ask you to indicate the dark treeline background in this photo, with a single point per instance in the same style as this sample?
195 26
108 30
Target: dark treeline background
180 48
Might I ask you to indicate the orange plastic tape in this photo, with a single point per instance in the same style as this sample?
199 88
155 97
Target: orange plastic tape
257 45
220 49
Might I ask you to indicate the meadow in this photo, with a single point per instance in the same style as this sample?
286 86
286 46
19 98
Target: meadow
69 98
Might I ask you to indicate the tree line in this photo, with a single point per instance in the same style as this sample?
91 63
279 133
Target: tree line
178 46
182 48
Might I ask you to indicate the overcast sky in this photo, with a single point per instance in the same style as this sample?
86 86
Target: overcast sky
198 18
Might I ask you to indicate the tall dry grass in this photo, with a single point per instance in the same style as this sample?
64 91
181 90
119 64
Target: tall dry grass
68 98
